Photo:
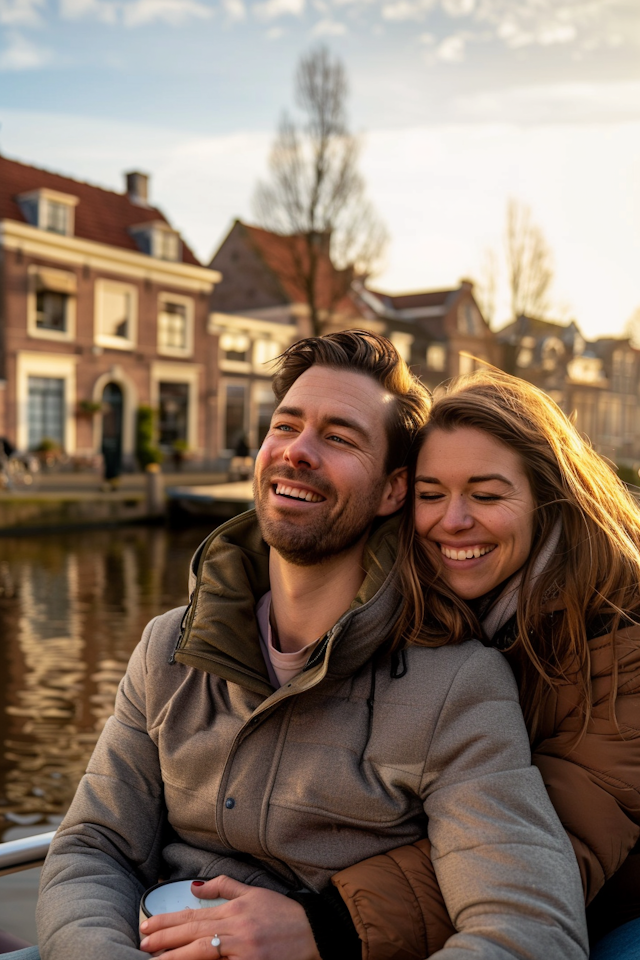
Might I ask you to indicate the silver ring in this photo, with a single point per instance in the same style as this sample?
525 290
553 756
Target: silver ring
215 942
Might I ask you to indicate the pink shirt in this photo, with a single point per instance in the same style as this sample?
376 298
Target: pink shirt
282 667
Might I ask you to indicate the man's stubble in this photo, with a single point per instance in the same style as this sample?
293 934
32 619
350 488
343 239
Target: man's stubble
323 533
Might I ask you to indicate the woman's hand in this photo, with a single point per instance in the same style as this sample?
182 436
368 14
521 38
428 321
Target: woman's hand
256 924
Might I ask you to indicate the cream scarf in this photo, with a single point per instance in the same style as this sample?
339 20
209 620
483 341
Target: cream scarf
507 603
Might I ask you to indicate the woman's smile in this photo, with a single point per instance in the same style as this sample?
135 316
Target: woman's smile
459 553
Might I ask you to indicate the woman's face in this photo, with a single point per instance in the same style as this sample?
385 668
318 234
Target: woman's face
474 508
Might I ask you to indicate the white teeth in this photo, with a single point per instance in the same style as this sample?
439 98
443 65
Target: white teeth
308 495
467 554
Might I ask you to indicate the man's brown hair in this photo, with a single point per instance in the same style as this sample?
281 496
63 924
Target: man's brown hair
360 351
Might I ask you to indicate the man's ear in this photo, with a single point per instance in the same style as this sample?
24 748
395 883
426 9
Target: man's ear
394 493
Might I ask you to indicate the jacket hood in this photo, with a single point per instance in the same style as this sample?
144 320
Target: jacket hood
230 573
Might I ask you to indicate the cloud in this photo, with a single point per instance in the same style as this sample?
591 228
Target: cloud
21 12
458 8
615 102
406 9
235 9
589 23
103 10
552 33
328 28
22 54
272 9
174 12
452 49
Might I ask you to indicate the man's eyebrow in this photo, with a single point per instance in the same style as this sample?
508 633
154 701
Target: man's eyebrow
350 425
289 411
331 421
480 479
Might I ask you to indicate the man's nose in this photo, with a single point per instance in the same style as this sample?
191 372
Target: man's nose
303 451
456 516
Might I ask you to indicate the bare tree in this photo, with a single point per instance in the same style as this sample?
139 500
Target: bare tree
529 262
316 195
486 287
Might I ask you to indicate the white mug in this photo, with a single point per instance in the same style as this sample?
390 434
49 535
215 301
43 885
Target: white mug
170 898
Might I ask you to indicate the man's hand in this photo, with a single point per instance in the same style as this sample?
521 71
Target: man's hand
255 924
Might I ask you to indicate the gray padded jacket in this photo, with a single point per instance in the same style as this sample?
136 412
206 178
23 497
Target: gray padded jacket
205 769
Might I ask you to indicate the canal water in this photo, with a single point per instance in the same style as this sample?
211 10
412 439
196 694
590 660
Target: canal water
72 608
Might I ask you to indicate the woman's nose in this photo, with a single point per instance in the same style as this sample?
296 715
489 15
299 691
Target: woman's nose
457 516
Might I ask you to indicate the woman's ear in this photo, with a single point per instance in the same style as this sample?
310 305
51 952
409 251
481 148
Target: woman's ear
394 493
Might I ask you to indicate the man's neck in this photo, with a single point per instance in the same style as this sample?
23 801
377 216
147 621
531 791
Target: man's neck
307 601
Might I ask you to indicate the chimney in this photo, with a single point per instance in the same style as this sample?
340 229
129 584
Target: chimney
138 187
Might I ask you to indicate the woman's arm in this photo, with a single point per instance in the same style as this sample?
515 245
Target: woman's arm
594 784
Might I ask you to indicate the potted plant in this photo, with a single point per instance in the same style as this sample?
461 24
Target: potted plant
179 453
88 408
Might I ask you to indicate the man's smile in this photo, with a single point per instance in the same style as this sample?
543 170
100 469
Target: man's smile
296 493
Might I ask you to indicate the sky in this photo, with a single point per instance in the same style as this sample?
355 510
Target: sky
460 104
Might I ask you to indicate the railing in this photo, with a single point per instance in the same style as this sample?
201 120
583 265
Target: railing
22 854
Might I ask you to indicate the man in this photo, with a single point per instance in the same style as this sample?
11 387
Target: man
267 736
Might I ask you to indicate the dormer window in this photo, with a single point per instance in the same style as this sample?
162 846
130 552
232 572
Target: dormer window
157 239
49 210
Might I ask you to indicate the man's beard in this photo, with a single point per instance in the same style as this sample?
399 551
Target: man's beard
307 541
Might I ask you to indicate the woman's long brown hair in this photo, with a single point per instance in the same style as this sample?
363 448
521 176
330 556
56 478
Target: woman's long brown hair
595 571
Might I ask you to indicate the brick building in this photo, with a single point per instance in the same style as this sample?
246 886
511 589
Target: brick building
103 308
598 381
437 332
258 309
260 306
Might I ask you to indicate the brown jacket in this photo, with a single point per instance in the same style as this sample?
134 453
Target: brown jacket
395 899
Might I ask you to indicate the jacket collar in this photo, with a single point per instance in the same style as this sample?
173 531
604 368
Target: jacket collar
229 574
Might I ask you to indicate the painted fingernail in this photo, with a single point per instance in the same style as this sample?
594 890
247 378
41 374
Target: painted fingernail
144 924
197 883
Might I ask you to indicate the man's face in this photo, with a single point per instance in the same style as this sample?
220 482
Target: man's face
320 473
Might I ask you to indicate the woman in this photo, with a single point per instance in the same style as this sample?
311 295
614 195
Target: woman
518 532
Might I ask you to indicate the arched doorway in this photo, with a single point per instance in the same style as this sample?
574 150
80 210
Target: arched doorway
112 430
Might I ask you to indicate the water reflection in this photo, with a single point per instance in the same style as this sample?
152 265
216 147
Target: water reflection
72 608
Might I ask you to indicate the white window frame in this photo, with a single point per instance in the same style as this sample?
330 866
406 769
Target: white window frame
240 336
33 330
45 365
403 343
187 302
167 372
103 339
440 350
42 198
268 346
466 363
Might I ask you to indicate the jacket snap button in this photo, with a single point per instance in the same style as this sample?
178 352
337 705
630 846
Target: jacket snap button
229 803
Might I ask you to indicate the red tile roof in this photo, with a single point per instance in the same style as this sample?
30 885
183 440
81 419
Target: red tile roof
282 253
101 215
